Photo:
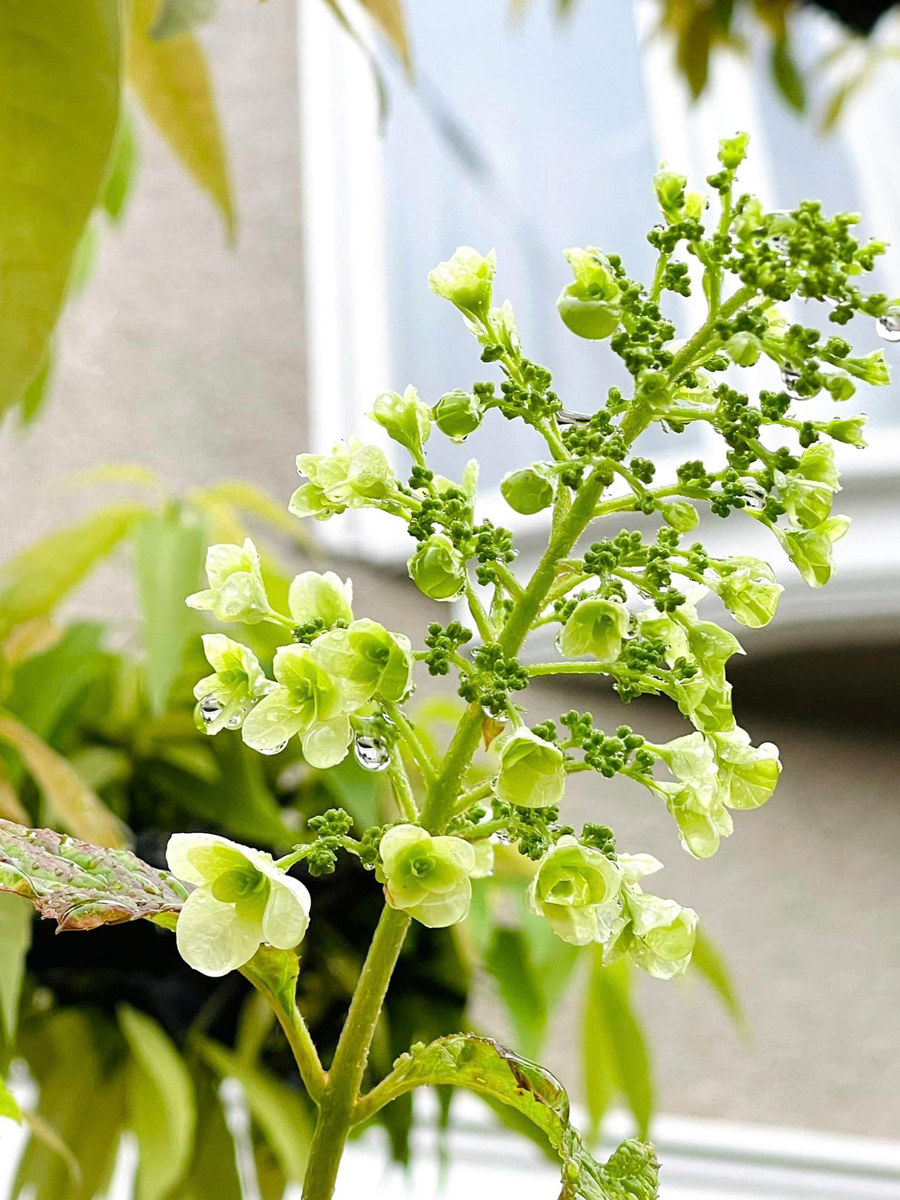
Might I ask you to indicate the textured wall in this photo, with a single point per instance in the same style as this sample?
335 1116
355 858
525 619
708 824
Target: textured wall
188 358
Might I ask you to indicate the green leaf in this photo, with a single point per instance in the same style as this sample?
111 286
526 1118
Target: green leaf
33 582
708 960
508 960
15 939
82 886
59 100
37 393
8 1106
693 48
161 1108
787 76
479 1064
49 685
171 80
169 554
70 801
75 1057
181 16
278 1110
389 16
213 1174
611 1028
122 169
255 502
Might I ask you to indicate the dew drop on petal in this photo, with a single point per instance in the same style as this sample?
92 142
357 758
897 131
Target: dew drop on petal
789 377
888 327
274 749
210 709
754 494
234 722
371 753
566 417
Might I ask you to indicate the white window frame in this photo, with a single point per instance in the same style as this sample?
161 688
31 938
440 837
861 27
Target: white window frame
346 302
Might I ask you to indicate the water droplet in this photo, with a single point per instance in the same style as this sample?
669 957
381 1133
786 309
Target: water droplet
210 709
234 722
790 376
566 417
274 749
754 494
888 327
371 753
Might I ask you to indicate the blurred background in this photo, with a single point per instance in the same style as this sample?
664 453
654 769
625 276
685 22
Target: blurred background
528 129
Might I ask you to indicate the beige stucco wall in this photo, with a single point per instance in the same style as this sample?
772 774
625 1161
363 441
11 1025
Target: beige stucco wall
189 359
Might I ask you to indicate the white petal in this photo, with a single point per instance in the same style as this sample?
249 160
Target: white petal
272 723
211 936
287 913
326 744
188 865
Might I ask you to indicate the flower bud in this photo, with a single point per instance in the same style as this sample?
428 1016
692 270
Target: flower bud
532 771
749 591
817 463
405 419
840 387
679 515
695 205
652 387
326 598
870 368
236 590
669 187
529 490
578 889
665 934
848 430
747 774
590 305
428 877
743 348
457 414
466 280
437 568
810 549
733 150
706 703
806 501
596 627
368 660
712 646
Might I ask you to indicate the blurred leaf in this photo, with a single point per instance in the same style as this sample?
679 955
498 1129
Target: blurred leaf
30 638
74 1057
84 260
161 1108
37 393
34 581
15 938
692 50
11 807
254 501
611 1028
82 886
70 801
787 76
48 685
172 82
8 1106
59 99
169 554
213 1174
277 1109
388 14
508 960
479 1064
840 97
271 1179
708 961
180 16
122 169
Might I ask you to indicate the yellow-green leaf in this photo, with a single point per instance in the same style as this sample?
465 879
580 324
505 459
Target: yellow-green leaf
389 16
708 961
59 102
8 1106
15 938
70 800
172 82
161 1105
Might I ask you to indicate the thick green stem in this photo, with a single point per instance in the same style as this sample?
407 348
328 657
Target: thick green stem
336 1110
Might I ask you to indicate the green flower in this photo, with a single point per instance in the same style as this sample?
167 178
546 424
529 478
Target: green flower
664 934
694 801
590 306
457 414
669 187
367 660
596 627
748 590
405 418
733 150
225 698
743 349
438 569
748 774
484 859
428 877
680 515
848 430
807 492
350 476
236 590
711 646
810 549
578 889
307 702
325 598
654 624
870 368
530 489
532 771
240 900
466 280
706 702
817 463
